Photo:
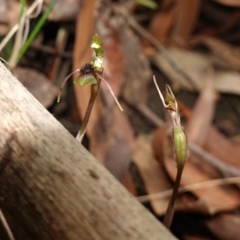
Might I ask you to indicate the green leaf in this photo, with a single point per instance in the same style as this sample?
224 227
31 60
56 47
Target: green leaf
85 80
36 29
147 3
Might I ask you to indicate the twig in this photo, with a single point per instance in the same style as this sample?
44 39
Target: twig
227 170
6 226
138 28
51 50
150 115
61 41
190 187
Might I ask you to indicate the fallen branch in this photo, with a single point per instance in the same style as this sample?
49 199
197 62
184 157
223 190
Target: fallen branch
53 188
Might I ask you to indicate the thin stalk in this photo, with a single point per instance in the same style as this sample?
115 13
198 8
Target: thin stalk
64 82
111 91
170 209
18 40
180 146
95 88
6 226
37 29
10 34
23 8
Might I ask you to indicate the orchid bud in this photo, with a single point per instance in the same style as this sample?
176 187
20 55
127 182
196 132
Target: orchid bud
180 146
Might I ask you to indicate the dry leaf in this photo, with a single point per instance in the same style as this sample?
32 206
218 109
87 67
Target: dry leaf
155 177
152 173
232 3
114 56
159 136
202 114
112 141
128 183
9 15
37 84
220 147
225 226
195 65
227 55
165 16
64 10
213 199
138 73
186 17
217 145
192 63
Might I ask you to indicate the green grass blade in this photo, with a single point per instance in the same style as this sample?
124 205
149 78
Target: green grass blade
37 29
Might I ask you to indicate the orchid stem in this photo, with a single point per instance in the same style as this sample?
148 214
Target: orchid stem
180 146
167 221
95 88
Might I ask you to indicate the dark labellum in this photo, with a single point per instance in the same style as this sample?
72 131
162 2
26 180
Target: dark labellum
87 75
86 69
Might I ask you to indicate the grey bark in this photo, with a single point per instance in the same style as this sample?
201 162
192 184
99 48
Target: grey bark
53 188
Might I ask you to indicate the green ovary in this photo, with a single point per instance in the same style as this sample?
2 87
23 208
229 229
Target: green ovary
180 146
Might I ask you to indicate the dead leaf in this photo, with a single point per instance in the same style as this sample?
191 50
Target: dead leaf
165 15
152 173
4 18
209 197
114 56
159 136
185 20
202 114
195 65
9 15
232 3
112 141
138 73
223 51
128 183
37 84
225 226
64 10
220 147
155 178
217 151
60 44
